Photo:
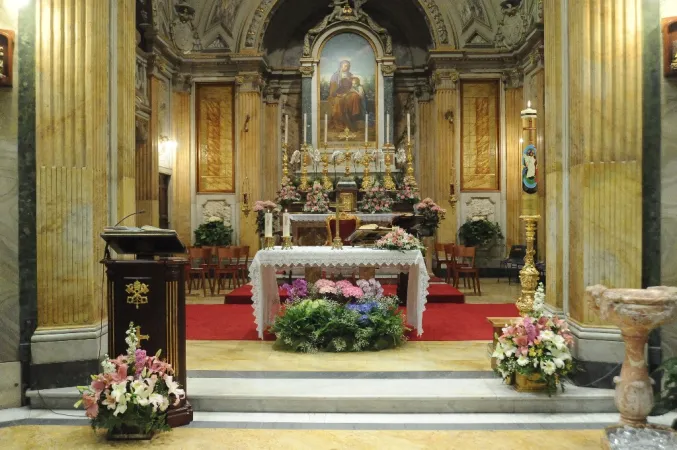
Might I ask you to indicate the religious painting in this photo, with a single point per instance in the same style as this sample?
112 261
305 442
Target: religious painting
6 48
215 138
348 92
529 170
480 101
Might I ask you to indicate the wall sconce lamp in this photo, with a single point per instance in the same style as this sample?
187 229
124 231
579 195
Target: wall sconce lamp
452 195
246 204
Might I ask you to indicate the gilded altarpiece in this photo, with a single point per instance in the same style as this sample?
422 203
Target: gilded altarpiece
215 138
480 102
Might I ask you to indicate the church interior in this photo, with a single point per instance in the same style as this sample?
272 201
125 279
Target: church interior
338 224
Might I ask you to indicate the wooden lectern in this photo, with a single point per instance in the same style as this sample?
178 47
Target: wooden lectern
150 292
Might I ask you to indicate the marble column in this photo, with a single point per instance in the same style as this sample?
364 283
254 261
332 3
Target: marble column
446 97
73 149
427 152
10 366
248 132
181 187
514 104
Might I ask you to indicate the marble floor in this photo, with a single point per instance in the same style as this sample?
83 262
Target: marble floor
414 356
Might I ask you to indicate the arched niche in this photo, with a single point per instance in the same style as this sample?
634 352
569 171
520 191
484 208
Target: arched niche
324 93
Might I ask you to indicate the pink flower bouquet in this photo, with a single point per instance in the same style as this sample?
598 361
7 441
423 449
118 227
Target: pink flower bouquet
398 239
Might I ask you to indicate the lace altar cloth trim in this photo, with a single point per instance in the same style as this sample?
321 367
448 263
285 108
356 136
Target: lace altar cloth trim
321 218
265 295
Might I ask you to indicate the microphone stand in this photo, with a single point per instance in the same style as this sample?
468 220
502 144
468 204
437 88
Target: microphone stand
106 251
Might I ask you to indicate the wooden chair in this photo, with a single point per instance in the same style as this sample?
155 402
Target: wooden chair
467 267
348 223
199 259
227 265
243 264
441 258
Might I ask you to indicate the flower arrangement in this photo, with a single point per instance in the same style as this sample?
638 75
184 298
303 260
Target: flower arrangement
260 208
376 200
535 346
213 233
432 215
321 322
408 194
317 201
287 194
133 392
398 239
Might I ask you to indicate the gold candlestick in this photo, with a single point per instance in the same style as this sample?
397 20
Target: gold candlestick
304 168
529 274
388 182
410 179
337 243
326 181
367 181
348 158
285 163
286 243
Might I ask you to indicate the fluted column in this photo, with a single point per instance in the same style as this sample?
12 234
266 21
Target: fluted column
427 154
147 162
272 148
181 187
446 97
514 104
248 129
126 67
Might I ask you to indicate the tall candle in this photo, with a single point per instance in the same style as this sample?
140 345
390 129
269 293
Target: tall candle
366 128
408 128
286 128
305 128
388 128
269 224
286 224
326 128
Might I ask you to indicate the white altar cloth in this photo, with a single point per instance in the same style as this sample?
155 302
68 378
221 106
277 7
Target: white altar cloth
365 218
266 298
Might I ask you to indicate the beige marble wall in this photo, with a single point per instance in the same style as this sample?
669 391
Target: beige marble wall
605 157
72 153
10 369
181 187
553 210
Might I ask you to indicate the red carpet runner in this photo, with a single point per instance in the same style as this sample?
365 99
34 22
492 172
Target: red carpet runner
441 322
437 293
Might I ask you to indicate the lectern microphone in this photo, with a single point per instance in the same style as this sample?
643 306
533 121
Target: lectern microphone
128 216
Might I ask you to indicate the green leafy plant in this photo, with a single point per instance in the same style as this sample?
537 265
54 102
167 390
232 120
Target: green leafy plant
666 399
213 233
480 233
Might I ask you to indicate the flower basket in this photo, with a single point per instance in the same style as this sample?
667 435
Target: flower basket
530 383
128 433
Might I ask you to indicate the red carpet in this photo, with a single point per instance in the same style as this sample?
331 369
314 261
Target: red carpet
441 322
437 293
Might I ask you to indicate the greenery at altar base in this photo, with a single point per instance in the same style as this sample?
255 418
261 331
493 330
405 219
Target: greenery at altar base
534 351
131 397
213 233
338 316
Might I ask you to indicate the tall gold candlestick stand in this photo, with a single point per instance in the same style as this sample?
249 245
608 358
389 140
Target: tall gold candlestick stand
303 185
326 181
285 163
410 179
529 274
388 182
367 179
337 243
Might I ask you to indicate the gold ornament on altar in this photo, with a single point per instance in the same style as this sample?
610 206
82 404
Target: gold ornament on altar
137 291
347 135
337 243
367 179
388 182
326 181
285 161
304 186
410 179
140 337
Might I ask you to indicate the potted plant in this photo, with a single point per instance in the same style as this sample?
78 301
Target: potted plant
432 216
406 197
131 397
666 399
213 233
288 194
479 232
317 201
376 200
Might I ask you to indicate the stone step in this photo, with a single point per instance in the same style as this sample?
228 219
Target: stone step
404 396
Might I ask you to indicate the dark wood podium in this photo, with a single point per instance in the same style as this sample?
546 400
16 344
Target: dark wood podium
150 292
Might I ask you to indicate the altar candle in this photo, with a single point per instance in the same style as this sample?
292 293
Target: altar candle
305 128
408 128
286 224
366 128
387 128
326 128
269 224
286 128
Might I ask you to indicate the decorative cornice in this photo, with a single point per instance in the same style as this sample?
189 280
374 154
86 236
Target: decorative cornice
513 78
445 79
250 82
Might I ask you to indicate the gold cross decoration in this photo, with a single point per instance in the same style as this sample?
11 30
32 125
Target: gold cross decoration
347 135
137 291
140 337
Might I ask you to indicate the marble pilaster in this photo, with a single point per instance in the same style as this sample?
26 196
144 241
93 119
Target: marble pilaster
307 101
389 100
271 162
514 102
181 217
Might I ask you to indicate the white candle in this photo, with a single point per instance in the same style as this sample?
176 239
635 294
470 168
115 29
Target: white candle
286 128
366 128
269 224
408 128
387 128
286 224
305 128
326 128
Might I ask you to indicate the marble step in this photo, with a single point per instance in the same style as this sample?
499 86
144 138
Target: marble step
404 396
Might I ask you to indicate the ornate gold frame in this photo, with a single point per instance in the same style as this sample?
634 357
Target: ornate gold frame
342 216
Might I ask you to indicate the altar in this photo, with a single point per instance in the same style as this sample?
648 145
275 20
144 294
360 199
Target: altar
266 297
311 229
